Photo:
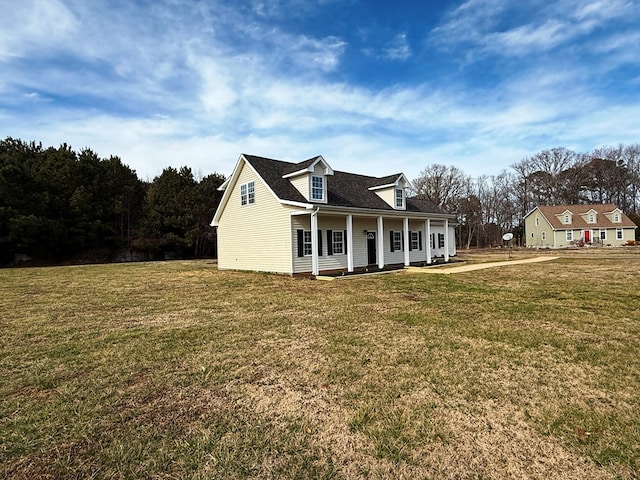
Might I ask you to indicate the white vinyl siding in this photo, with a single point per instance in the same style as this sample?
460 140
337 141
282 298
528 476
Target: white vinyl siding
389 195
255 238
302 185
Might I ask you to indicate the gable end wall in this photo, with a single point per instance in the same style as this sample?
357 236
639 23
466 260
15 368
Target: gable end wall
256 236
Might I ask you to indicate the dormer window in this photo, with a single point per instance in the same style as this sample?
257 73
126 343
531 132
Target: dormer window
616 217
317 188
567 219
399 198
592 218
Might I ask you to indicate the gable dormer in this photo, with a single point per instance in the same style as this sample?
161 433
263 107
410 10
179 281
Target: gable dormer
566 217
615 216
393 190
591 216
310 178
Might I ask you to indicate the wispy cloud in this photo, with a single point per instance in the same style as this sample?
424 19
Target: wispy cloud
398 48
182 82
507 29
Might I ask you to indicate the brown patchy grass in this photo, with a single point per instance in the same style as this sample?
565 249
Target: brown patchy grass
177 370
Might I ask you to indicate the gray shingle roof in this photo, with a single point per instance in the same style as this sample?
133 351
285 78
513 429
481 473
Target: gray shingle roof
343 189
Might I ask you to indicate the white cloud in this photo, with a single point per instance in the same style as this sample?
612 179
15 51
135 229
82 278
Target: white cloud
515 28
34 22
398 48
216 95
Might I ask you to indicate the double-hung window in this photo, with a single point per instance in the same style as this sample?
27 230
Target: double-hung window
603 234
306 243
399 198
441 240
317 188
619 235
338 242
247 193
397 241
415 241
569 236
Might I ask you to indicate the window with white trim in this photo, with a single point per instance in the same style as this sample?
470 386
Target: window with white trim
537 221
603 234
567 219
317 188
415 241
247 193
399 198
592 218
543 235
397 241
441 240
307 249
616 217
619 234
569 235
338 242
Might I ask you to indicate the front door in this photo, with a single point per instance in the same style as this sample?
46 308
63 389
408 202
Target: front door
372 258
587 236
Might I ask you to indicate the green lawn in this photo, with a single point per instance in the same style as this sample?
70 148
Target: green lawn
177 370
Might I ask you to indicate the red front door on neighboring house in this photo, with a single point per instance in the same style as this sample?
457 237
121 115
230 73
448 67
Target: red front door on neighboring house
587 236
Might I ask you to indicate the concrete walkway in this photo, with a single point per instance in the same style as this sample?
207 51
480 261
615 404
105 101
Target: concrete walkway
476 266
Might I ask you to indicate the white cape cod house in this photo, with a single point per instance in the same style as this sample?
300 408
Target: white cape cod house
306 218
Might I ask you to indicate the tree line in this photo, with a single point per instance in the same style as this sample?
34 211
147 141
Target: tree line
59 205
490 205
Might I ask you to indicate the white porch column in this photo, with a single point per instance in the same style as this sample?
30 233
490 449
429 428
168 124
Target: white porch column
446 240
315 270
428 239
349 243
380 244
405 227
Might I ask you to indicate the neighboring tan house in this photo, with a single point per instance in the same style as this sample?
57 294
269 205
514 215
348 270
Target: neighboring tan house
567 225
306 218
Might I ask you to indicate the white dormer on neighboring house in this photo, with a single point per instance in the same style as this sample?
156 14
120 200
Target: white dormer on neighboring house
393 190
310 179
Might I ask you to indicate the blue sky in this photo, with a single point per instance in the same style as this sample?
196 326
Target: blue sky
376 87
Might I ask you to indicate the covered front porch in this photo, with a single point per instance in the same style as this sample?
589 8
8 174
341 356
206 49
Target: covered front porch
327 241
